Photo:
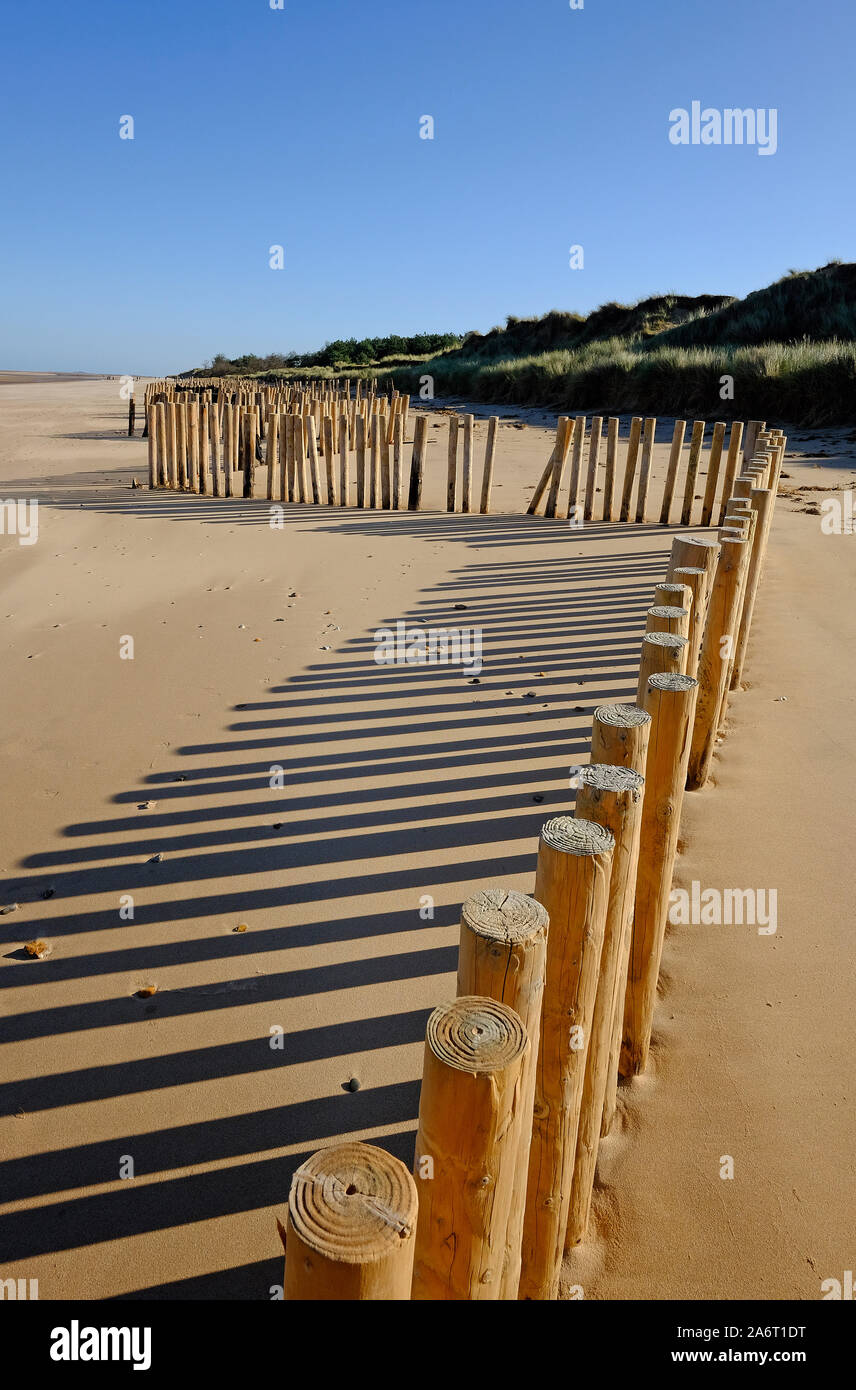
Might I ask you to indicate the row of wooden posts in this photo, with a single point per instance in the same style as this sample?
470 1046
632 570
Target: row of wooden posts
556 992
576 497
294 444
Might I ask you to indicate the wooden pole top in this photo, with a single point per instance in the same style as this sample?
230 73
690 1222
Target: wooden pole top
580 837
611 777
504 915
665 639
671 680
622 716
476 1035
352 1203
668 610
694 538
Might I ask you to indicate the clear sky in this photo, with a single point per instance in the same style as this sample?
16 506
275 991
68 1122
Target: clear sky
301 127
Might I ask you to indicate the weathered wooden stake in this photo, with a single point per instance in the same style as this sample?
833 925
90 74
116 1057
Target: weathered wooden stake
489 457
591 476
612 797
608 513
451 481
661 651
662 617
417 463
670 700
360 437
350 1230
503 955
572 883
672 470
645 470
467 465
714 658
579 438
692 471
467 1148
713 463
397 465
564 432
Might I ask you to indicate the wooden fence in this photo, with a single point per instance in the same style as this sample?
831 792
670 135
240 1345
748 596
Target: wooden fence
506 1150
308 441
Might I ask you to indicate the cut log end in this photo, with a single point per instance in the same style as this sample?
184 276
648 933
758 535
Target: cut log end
352 1203
671 680
622 716
580 837
504 915
476 1035
609 777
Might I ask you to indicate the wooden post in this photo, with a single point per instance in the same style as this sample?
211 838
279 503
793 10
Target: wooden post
152 446
383 452
503 956
489 457
360 440
713 661
697 581
689 548
467 1147
762 503
351 1227
374 468
620 738
753 429
731 465
679 595
332 491
713 463
664 617
417 463
132 410
661 651
309 467
344 474
564 430
250 436
672 470
164 476
467 465
397 463
670 700
612 797
193 435
692 472
453 463
544 480
217 478
272 455
228 446
608 513
572 883
576 468
181 443
205 483
749 538
591 476
630 467
645 470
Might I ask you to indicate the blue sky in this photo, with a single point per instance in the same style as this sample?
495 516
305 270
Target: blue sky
300 127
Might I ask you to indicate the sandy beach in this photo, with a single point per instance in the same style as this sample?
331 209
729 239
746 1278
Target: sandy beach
254 817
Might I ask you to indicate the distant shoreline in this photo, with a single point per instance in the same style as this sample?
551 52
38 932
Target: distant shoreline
11 378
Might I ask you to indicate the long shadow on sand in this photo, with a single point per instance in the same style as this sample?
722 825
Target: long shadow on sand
404 780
